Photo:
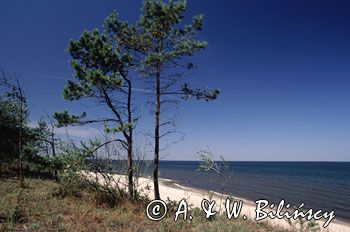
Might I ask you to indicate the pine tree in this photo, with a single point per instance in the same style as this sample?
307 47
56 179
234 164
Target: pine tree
163 46
101 69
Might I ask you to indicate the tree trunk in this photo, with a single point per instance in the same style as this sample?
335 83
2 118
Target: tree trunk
156 139
130 171
21 177
130 142
21 115
54 155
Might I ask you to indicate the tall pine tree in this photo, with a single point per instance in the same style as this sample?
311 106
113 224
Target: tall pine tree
101 69
163 47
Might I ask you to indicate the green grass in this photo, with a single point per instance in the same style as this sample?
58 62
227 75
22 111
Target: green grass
40 207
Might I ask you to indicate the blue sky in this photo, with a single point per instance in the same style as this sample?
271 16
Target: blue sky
283 66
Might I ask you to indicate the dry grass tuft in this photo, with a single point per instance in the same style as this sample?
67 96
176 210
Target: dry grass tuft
39 207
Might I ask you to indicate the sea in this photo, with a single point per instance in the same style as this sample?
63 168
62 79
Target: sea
319 185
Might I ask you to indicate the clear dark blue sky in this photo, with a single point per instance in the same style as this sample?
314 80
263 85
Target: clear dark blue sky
283 66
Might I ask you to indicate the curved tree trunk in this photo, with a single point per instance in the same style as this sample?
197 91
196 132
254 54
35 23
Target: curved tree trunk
130 142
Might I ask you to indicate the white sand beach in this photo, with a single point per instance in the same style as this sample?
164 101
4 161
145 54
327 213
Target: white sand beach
170 190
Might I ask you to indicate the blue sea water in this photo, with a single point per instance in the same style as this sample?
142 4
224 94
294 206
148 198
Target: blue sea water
320 185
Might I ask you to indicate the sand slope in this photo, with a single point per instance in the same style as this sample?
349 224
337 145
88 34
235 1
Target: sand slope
170 190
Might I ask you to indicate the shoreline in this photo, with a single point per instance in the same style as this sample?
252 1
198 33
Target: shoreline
173 191
244 199
172 184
